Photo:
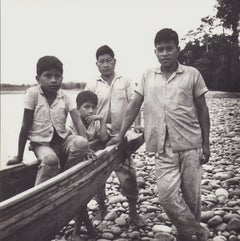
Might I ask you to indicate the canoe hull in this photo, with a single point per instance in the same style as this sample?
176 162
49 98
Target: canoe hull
40 212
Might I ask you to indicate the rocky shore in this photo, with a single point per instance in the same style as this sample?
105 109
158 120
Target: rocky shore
220 189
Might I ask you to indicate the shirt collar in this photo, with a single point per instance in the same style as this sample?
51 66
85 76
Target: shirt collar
116 76
59 92
179 70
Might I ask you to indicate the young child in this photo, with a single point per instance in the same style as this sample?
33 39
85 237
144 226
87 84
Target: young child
44 123
96 129
95 124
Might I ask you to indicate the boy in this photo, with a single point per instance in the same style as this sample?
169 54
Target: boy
176 124
96 129
114 93
44 123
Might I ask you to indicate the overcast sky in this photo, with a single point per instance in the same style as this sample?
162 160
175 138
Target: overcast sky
72 30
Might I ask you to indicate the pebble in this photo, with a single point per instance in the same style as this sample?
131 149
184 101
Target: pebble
161 228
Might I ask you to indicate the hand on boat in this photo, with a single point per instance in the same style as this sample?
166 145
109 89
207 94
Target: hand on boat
90 155
116 140
15 160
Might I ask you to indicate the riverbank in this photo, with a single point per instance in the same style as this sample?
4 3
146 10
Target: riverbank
220 188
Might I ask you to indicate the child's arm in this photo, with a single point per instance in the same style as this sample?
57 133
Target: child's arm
103 134
78 123
23 136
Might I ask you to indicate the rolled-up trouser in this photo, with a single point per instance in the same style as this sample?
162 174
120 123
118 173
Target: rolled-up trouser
175 172
58 155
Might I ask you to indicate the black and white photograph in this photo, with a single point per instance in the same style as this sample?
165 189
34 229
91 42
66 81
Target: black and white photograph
120 120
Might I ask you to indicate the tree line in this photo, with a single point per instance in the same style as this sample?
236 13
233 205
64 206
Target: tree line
216 55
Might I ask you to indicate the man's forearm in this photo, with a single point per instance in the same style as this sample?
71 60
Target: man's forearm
204 121
130 115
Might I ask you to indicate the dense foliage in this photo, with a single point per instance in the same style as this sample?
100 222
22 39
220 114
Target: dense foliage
216 55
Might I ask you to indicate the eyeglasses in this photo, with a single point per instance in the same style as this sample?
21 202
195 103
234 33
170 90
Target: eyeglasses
107 61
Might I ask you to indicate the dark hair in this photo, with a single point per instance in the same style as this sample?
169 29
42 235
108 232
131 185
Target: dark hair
105 49
85 96
49 62
166 35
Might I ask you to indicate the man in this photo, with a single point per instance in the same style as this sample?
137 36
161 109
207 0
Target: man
176 123
114 93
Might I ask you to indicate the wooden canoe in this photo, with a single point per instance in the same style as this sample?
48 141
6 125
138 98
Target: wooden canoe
39 212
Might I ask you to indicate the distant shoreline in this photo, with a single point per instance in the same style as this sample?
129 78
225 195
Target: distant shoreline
210 94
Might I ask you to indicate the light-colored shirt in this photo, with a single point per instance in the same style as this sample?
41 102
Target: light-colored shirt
47 118
169 108
92 130
112 99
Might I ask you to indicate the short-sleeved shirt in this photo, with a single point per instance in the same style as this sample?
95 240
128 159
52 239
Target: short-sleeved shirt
112 99
47 118
93 130
169 108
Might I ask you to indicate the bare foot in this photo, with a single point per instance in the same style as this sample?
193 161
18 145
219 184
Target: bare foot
92 231
137 219
202 234
101 213
76 237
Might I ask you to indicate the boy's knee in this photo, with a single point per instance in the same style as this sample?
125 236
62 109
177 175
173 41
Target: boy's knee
51 160
81 143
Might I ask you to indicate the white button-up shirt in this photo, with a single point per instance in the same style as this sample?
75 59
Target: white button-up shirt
46 117
169 108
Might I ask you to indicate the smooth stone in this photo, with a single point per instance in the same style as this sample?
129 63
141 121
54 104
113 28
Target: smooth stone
141 182
155 200
234 193
116 230
161 236
120 221
117 199
134 235
232 203
125 204
229 216
164 217
161 228
121 239
219 212
219 238
215 221
224 175
221 227
234 224
151 208
221 192
111 216
108 236
206 215
232 238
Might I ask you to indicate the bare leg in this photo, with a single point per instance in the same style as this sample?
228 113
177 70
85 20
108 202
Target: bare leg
100 197
133 214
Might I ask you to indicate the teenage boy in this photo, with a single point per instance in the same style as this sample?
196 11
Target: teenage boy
176 129
114 93
44 123
96 129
